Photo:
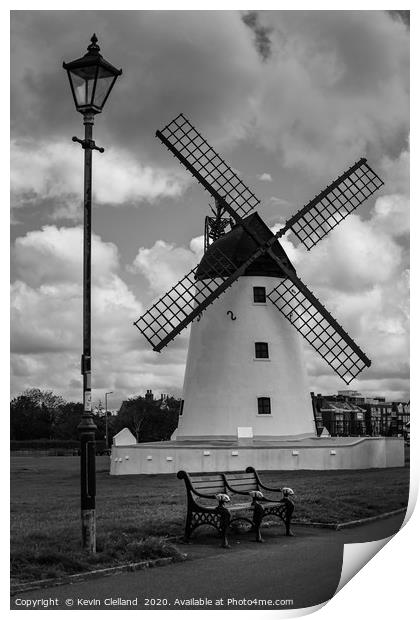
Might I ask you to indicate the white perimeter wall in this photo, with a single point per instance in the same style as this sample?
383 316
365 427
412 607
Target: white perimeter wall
223 380
169 458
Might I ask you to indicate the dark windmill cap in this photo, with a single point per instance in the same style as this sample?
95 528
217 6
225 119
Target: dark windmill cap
238 246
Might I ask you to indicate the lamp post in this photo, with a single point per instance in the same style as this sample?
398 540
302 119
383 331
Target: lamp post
91 80
106 419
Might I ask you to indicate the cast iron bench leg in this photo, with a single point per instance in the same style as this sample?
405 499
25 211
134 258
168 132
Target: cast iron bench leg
187 528
289 511
257 518
224 524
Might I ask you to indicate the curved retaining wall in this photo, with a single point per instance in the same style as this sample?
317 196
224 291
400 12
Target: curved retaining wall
320 454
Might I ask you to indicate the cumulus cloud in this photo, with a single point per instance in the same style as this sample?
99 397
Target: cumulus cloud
46 307
164 263
54 256
360 272
55 172
357 256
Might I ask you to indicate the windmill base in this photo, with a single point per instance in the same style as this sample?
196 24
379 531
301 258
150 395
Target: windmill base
317 453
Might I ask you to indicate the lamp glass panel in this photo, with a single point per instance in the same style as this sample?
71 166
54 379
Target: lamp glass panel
83 88
103 85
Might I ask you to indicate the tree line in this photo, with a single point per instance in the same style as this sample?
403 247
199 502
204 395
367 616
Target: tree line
41 414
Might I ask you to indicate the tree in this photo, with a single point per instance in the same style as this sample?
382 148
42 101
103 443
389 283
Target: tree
44 397
67 421
33 415
132 414
48 407
146 420
21 418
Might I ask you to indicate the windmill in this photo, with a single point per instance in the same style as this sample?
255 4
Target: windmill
224 392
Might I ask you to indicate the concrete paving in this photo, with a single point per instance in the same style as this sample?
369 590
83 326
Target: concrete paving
282 573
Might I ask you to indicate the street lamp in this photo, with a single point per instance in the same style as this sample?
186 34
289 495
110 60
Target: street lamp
91 81
106 419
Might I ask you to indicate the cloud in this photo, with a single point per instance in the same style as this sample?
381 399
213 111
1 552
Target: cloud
265 176
360 272
357 256
55 172
392 215
53 256
334 88
46 308
200 62
261 34
164 263
334 84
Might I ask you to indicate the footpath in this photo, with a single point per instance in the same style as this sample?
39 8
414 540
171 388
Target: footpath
281 573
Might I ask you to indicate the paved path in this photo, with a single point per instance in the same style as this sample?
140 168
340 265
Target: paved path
305 569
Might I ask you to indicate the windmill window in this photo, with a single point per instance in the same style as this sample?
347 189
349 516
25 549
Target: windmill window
259 295
261 350
181 407
264 405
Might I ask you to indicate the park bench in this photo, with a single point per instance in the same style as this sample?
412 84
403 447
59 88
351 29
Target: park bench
239 497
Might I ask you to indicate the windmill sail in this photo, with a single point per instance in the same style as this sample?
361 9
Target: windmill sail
196 154
333 204
189 297
304 311
208 280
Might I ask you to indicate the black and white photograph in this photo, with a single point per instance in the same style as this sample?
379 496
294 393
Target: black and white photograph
209 323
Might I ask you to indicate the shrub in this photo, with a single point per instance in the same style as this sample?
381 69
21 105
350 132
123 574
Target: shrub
51 444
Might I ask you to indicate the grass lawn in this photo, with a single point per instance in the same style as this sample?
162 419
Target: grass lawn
135 513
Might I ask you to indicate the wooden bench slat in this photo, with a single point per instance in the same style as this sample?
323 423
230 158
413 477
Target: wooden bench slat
241 481
243 486
211 478
206 485
240 476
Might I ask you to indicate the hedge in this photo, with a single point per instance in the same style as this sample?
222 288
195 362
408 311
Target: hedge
48 444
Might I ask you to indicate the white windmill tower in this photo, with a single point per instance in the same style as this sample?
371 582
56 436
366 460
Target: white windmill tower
245 375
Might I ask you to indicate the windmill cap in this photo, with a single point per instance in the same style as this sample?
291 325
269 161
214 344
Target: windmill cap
238 246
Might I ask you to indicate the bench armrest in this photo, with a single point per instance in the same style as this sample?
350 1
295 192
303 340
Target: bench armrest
266 488
204 495
232 490
252 470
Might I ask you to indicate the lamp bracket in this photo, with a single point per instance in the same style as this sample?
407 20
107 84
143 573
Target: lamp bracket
88 144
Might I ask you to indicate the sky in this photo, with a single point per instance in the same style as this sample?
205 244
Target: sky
290 99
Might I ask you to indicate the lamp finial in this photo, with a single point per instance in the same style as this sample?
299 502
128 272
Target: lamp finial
94 48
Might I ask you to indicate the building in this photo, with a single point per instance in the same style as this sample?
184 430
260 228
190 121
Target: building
349 413
340 417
